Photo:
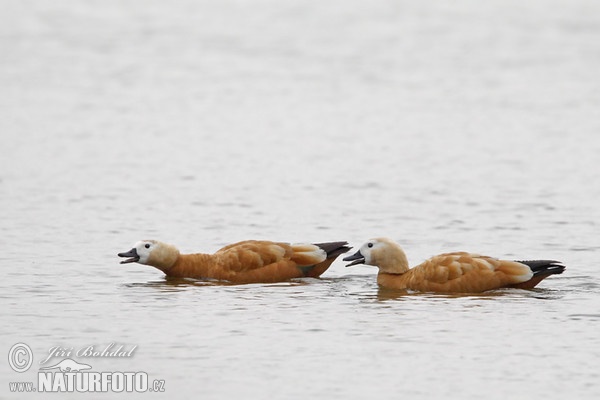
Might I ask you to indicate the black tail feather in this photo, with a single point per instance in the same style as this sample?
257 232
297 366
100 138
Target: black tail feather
334 249
545 267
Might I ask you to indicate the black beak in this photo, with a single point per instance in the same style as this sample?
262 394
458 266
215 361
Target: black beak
134 257
356 258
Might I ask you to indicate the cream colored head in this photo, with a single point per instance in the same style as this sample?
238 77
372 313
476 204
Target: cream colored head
152 252
383 253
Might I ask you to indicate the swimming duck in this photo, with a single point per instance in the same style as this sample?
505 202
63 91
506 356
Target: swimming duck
250 261
458 272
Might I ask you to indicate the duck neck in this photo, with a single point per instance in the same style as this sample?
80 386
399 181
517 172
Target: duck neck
164 257
395 263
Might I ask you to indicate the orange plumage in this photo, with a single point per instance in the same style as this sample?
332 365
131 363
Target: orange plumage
250 261
458 272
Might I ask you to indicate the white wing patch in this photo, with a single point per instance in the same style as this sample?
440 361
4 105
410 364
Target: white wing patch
308 254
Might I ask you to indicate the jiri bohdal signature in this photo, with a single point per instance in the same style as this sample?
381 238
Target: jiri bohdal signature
111 350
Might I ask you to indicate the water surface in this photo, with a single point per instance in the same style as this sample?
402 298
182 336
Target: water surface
465 126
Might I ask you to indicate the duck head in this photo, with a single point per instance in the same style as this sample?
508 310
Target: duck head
152 252
383 253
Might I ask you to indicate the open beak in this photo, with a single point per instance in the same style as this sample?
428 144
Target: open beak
356 258
134 257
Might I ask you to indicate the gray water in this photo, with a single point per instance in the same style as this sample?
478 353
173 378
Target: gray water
446 126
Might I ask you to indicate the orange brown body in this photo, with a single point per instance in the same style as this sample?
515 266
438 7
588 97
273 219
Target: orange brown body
250 261
458 272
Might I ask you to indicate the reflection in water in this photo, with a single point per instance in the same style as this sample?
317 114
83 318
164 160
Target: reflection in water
169 284
384 294
506 293
178 284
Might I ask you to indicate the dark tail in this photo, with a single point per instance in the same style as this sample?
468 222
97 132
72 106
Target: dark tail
541 269
544 267
334 249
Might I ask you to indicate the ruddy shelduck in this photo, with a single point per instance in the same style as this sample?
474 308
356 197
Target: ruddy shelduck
458 272
252 261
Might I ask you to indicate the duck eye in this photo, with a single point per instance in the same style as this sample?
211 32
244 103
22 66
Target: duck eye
147 245
369 245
